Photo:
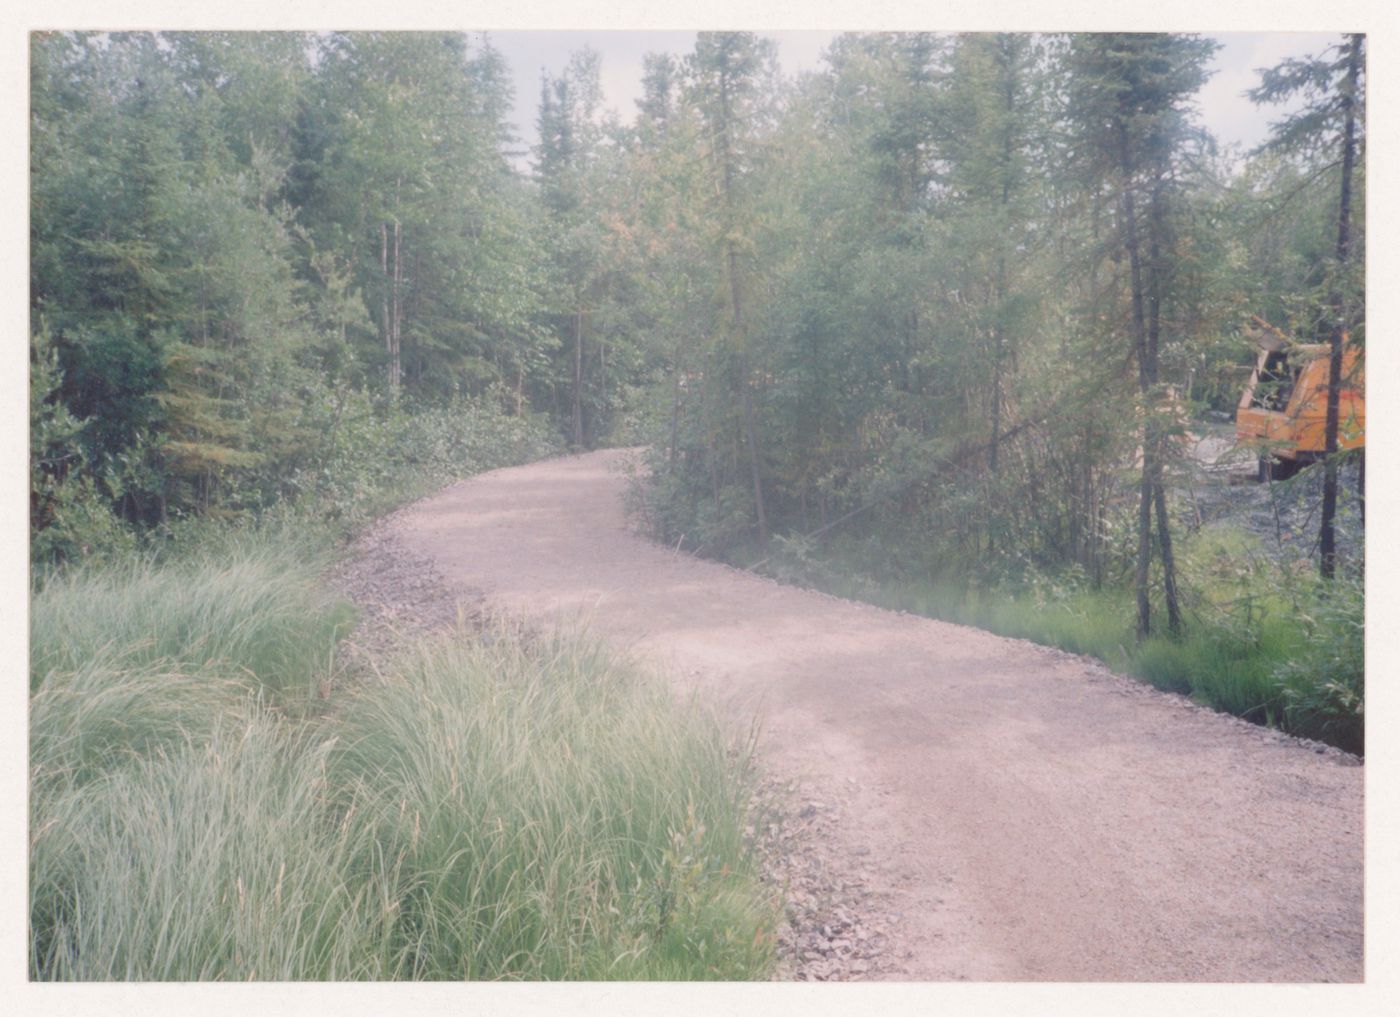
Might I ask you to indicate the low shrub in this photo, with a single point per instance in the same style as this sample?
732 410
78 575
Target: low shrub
374 457
1323 686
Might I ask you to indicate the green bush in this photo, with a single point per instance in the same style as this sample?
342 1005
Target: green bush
68 517
77 523
359 458
373 457
1324 686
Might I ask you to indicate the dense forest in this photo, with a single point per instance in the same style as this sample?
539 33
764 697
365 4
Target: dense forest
940 312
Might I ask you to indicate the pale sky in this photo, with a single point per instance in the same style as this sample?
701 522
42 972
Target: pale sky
1231 117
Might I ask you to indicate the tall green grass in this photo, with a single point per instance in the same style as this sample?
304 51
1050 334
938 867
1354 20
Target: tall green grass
254 610
213 859
557 816
523 809
159 774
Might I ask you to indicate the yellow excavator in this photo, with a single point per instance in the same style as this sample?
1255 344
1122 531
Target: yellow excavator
1283 409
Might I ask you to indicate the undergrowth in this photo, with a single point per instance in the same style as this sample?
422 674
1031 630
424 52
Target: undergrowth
369 458
501 808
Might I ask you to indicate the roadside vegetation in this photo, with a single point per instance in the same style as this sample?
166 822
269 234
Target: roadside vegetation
506 807
212 797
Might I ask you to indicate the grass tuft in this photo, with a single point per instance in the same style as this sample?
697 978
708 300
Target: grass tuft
561 817
500 808
256 612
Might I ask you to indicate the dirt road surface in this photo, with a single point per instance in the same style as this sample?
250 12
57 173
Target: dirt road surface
1016 813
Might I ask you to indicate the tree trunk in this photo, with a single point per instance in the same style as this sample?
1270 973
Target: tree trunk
385 325
711 453
1328 535
1142 574
994 450
1361 487
746 399
738 334
677 373
1145 487
578 379
1156 229
1008 152
1164 542
396 366
753 453
1146 304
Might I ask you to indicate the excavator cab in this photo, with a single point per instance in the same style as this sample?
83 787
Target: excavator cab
1283 410
1274 381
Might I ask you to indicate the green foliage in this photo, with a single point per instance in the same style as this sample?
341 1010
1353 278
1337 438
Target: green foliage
898 280
1324 686
206 220
575 172
399 170
370 457
68 517
497 807
161 260
557 815
252 612
1321 83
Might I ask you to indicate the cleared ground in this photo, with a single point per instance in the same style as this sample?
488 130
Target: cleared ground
1024 814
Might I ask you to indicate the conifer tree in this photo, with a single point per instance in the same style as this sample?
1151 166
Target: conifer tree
725 72
1330 122
1130 98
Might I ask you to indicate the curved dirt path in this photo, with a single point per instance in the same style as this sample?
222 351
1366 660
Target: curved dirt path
1025 813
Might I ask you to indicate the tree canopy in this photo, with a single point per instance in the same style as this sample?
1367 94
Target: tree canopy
947 291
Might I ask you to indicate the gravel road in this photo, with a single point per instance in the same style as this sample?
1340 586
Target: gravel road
966 806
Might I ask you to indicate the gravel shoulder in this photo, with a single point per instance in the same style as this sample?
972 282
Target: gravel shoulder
951 804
